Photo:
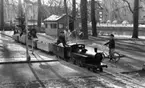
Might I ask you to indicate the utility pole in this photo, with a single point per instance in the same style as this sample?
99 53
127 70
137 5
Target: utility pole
2 14
26 28
67 17
135 19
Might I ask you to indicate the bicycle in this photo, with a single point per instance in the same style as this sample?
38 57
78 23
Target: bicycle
115 56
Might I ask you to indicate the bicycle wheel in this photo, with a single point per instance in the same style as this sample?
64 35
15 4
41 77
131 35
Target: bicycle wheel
103 56
116 57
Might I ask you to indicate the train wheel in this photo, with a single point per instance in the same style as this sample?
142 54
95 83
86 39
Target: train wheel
72 60
77 62
89 68
116 57
94 70
101 69
103 56
80 63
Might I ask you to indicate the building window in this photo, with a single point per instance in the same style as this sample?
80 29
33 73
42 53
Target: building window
53 25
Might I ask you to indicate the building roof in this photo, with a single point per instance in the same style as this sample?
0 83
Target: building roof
54 17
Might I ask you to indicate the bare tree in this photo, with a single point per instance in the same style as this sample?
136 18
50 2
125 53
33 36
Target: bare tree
73 14
83 7
135 16
93 18
129 6
135 19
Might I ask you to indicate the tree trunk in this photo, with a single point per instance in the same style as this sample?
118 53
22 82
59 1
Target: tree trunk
39 14
83 7
2 14
73 14
135 19
93 18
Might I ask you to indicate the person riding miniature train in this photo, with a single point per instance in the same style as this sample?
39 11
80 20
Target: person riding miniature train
32 34
98 56
61 39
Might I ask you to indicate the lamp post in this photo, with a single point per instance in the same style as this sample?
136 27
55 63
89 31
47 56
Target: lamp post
26 27
67 16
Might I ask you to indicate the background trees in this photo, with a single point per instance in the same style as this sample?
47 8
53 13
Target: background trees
119 10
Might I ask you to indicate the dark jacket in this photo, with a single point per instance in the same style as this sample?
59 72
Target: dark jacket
61 39
111 44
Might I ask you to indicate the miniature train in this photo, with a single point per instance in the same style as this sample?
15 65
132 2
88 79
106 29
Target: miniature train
71 53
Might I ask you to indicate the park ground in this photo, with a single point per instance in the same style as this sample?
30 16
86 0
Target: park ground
127 73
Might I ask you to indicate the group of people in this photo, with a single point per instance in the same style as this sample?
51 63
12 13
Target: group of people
111 43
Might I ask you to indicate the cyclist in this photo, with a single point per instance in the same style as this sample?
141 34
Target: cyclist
111 44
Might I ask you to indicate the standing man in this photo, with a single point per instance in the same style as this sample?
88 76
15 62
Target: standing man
33 37
111 44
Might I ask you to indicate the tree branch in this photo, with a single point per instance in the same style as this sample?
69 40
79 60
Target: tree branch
129 6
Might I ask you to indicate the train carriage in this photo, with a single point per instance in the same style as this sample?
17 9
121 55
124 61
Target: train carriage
61 52
43 46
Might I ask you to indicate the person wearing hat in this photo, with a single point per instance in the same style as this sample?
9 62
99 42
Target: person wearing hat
61 39
111 44
98 57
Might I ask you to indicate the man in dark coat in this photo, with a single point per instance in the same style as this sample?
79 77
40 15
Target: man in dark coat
98 57
111 44
61 39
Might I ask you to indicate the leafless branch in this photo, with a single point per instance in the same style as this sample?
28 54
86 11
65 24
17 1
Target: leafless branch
129 6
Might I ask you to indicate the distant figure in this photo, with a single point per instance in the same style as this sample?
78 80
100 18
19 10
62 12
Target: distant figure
16 31
111 44
61 39
32 34
81 35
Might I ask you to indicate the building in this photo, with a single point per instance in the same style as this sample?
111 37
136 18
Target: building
54 24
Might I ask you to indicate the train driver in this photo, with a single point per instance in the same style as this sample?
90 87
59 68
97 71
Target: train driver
61 39
98 56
